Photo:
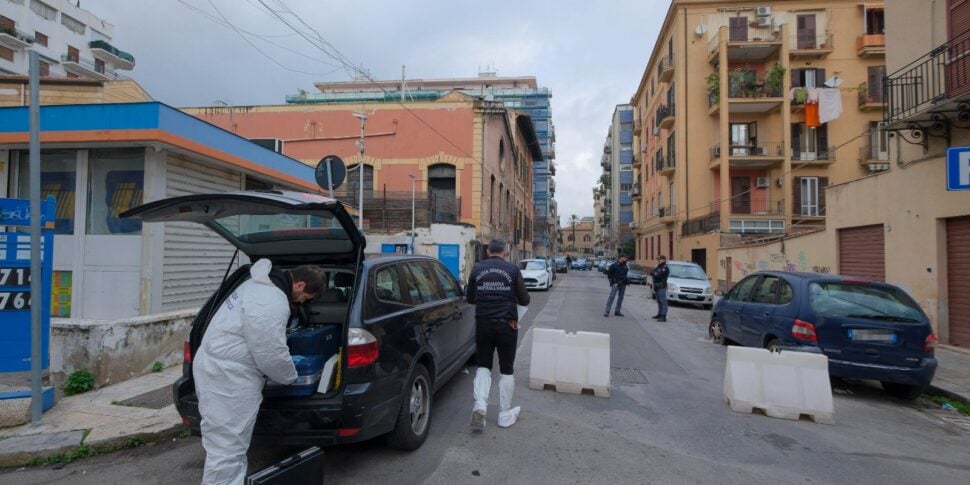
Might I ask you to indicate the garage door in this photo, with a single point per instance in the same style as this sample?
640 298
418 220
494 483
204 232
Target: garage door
958 279
862 252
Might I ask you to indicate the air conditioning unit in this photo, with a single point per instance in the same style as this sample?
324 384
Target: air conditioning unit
763 11
763 182
763 22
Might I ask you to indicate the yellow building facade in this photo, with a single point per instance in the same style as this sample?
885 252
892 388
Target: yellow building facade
727 148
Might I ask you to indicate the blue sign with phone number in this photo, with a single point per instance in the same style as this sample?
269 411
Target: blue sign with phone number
15 278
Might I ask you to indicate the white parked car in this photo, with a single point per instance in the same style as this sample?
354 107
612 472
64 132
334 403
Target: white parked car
537 273
687 283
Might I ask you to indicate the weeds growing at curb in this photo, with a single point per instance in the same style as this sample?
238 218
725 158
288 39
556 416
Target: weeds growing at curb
961 407
157 367
79 381
87 451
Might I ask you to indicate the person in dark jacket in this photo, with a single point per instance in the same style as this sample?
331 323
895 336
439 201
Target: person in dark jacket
660 274
616 274
496 288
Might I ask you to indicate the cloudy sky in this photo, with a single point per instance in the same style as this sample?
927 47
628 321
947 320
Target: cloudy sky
590 54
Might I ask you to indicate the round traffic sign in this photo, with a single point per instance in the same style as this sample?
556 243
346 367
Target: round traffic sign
337 170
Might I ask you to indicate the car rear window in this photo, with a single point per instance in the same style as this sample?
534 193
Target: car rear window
532 265
276 226
871 302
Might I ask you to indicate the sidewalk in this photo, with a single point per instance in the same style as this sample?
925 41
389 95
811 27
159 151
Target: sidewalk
97 418
953 374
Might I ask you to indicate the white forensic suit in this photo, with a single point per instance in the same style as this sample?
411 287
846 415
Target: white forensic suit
246 339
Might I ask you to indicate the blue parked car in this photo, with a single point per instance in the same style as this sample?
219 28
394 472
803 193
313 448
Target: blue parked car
868 329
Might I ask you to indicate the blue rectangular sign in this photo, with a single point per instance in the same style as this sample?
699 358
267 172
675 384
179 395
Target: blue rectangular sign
958 168
16 212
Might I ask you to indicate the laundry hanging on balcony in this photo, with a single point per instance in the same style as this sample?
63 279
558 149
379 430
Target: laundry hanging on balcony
811 115
829 104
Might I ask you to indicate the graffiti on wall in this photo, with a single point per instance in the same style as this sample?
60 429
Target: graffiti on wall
778 262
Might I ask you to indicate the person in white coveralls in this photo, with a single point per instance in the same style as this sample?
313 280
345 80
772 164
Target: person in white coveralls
245 341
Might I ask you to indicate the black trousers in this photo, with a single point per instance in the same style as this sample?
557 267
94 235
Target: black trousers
492 335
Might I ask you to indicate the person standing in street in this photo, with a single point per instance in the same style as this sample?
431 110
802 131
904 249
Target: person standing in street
245 341
660 274
616 274
496 288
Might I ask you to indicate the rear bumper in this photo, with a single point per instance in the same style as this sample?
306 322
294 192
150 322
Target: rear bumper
920 375
371 407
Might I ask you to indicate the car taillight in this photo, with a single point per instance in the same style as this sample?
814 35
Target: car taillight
803 330
930 344
362 348
187 352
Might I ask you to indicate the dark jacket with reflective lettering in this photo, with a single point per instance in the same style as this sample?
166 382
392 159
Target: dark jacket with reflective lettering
495 287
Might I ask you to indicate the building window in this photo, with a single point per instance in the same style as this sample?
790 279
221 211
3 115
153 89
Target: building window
116 181
58 176
441 185
40 38
6 53
809 143
807 78
72 24
875 21
45 68
44 10
352 186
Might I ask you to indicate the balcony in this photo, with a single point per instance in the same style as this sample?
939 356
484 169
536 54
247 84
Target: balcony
552 167
808 45
552 186
665 69
12 38
636 192
871 100
821 155
86 68
932 86
108 53
758 155
874 157
871 45
746 205
754 43
607 163
665 116
667 214
637 125
637 160
747 95
665 165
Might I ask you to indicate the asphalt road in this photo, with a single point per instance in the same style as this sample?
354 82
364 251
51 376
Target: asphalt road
673 427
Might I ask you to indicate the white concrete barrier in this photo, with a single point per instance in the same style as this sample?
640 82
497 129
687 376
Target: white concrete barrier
785 385
570 362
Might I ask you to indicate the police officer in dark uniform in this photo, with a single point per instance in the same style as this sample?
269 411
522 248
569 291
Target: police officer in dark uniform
495 287
660 274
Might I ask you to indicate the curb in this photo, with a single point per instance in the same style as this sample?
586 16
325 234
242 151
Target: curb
24 458
949 394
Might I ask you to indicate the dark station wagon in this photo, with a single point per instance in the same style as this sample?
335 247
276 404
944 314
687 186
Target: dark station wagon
402 326
868 329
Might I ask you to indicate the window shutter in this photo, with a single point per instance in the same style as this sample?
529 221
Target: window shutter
796 78
958 20
958 24
796 142
738 29
820 78
822 137
796 200
822 183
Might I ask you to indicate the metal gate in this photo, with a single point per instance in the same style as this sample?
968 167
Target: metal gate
958 279
862 252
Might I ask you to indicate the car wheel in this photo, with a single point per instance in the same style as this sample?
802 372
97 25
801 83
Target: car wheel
903 391
716 332
773 345
414 418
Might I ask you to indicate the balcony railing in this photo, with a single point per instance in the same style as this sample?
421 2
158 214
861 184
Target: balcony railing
88 66
930 82
667 211
822 153
871 45
635 191
808 44
870 99
772 150
665 69
710 222
758 88
665 114
747 206
665 164
107 52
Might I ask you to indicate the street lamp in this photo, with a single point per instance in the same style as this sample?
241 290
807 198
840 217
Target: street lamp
360 144
413 179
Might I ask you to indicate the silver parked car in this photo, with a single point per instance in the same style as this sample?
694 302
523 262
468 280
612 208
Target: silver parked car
687 283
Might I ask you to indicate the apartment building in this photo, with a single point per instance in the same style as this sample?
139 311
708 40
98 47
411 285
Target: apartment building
521 93
471 161
617 180
578 239
71 41
729 147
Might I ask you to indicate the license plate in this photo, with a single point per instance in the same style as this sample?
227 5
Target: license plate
872 335
691 297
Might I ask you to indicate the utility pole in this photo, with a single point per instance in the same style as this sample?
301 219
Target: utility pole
413 180
36 359
360 187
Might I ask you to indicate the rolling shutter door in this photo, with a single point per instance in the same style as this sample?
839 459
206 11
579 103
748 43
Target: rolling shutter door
958 279
862 252
195 257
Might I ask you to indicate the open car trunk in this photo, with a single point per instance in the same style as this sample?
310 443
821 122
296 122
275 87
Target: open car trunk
288 228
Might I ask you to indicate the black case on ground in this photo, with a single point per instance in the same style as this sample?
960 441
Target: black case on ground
305 467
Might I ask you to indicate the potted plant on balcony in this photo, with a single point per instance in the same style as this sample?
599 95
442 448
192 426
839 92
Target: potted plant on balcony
714 88
775 79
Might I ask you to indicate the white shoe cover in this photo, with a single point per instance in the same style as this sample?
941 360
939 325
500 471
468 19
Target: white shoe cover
508 415
482 387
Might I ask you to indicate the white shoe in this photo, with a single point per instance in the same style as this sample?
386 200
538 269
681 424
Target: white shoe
481 388
508 415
